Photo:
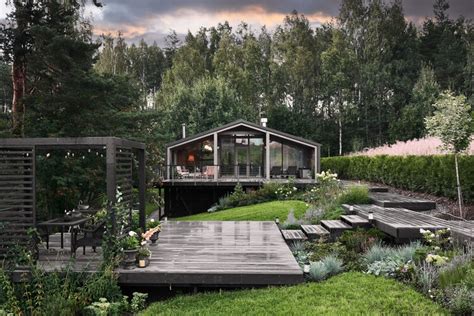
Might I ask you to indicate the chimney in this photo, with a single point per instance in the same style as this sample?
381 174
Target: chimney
184 129
263 121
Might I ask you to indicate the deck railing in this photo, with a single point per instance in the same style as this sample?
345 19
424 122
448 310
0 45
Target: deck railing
202 173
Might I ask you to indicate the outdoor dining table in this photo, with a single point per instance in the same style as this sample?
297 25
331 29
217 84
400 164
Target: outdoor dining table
62 223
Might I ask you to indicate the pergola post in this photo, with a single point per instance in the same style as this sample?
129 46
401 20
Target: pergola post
141 187
111 177
267 155
216 158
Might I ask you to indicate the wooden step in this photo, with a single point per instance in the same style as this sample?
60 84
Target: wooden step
335 227
291 235
401 201
314 231
356 221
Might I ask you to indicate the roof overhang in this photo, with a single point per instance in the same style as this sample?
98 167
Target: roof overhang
242 123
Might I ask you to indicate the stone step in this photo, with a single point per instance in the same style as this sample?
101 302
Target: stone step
356 221
314 231
335 227
401 201
292 235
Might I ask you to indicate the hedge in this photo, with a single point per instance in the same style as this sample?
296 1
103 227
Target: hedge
431 174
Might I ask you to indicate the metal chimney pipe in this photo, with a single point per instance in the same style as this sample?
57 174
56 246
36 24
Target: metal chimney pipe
184 129
263 121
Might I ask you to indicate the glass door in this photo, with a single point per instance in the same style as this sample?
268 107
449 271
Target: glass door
242 157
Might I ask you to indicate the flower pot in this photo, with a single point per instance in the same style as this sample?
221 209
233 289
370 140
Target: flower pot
130 257
154 237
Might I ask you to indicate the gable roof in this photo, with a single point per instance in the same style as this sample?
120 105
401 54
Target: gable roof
245 124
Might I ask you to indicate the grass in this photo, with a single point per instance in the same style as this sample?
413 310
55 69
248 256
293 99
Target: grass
346 294
257 212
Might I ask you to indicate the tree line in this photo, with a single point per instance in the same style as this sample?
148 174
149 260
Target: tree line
366 79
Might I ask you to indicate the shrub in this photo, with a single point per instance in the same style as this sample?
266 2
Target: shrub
291 221
430 174
377 253
361 240
333 265
459 270
426 277
318 271
355 194
459 300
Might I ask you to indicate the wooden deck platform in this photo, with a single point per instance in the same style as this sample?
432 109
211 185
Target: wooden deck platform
386 199
405 224
201 254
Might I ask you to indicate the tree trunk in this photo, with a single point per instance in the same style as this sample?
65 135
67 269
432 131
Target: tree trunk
340 134
18 106
458 182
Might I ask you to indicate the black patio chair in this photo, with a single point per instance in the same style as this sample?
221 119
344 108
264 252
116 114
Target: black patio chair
89 237
275 172
291 171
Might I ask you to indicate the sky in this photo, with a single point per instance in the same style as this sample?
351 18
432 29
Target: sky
153 19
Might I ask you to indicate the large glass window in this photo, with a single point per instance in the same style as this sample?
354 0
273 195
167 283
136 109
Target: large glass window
241 154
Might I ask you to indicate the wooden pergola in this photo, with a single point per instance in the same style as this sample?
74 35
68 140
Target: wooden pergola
18 179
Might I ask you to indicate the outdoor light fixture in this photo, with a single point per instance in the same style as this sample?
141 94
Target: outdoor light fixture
165 219
191 158
306 268
277 220
371 216
351 208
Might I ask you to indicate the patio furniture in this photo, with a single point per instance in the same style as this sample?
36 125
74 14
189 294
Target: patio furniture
182 172
275 172
209 172
91 237
291 171
61 223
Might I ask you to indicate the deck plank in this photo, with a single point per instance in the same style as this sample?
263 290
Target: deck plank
386 199
199 253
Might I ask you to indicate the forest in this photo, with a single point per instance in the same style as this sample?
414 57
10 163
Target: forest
368 78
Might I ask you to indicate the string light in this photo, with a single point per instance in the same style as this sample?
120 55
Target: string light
89 150
48 155
83 157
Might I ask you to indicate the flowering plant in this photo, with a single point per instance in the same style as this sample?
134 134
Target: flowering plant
130 242
437 260
152 224
143 253
439 240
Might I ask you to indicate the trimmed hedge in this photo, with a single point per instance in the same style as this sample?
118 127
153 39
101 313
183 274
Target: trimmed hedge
430 174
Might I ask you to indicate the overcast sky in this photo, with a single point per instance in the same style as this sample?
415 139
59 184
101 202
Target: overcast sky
153 19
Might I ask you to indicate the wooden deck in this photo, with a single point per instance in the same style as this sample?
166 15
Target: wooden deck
386 199
232 181
405 224
201 254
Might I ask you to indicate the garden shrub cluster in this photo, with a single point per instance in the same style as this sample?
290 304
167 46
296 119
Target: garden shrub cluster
268 192
431 174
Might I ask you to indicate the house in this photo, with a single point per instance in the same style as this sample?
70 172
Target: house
202 168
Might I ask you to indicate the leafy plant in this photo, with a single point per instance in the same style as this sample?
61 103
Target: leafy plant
143 253
355 194
333 265
138 302
426 277
318 271
130 242
459 300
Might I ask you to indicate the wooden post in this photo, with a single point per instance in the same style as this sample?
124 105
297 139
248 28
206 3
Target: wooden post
141 187
267 156
317 165
168 164
111 176
216 158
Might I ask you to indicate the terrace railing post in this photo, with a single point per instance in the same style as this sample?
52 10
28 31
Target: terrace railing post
111 177
141 186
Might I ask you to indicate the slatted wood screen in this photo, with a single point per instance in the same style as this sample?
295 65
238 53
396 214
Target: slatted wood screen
17 196
124 167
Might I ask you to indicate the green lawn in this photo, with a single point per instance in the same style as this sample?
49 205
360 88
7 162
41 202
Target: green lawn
346 294
257 212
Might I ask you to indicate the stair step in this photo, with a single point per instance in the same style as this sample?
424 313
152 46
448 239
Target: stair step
335 227
314 231
293 235
356 221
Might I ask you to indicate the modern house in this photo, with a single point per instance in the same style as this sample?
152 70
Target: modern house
203 167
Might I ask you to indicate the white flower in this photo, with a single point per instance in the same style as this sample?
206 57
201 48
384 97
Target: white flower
432 235
143 243
152 220
132 233
422 231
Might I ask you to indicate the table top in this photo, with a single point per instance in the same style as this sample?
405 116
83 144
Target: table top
61 221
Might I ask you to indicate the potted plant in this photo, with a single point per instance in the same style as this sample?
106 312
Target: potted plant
143 257
130 245
153 231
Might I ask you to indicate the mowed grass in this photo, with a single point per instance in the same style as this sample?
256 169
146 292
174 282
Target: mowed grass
257 212
349 293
